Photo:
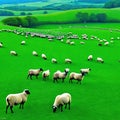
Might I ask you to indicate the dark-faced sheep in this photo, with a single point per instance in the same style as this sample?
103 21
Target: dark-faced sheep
15 99
60 100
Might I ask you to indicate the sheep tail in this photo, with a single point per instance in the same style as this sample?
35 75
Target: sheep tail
7 102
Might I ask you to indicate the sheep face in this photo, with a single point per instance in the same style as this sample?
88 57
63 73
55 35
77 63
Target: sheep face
54 108
27 92
41 69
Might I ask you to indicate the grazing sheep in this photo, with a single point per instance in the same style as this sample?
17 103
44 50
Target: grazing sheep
13 53
23 43
85 70
67 60
60 75
44 56
15 99
34 72
45 74
53 60
76 76
72 43
90 57
100 60
34 53
61 100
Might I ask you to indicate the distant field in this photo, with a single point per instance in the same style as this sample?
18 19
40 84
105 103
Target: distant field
97 98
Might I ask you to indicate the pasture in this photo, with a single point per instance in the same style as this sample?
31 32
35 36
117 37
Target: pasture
97 98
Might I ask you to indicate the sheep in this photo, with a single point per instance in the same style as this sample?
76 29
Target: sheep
23 43
60 75
76 76
72 43
44 56
85 70
15 99
34 72
90 57
1 44
61 100
45 74
106 43
100 60
34 53
53 60
67 60
13 53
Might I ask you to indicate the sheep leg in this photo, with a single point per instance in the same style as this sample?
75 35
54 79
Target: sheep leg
65 105
69 105
61 108
11 109
28 76
36 76
63 80
31 77
7 107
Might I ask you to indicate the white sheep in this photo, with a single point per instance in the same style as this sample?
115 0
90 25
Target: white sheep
44 56
34 72
34 53
1 44
85 70
106 43
13 53
90 57
53 60
45 74
60 75
61 100
76 76
14 99
100 60
23 43
67 60
72 43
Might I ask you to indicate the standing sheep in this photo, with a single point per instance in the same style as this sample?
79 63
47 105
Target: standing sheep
85 70
34 53
1 44
60 75
13 53
15 99
67 60
100 60
90 57
76 76
53 60
45 74
44 56
34 72
61 100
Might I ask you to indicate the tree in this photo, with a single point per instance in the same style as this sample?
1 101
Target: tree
101 17
22 13
93 17
112 4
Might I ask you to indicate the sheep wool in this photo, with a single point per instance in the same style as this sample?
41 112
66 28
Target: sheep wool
15 99
61 100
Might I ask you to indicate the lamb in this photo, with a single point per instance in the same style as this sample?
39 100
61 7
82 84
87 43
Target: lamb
44 56
60 75
53 60
34 53
34 72
15 99
13 53
100 60
45 74
76 76
61 100
67 60
85 70
90 57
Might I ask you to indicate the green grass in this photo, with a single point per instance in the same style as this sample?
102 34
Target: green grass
70 15
97 98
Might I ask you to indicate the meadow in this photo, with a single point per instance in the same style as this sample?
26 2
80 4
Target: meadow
97 98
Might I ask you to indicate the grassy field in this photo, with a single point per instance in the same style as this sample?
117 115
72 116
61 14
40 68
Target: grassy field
97 98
